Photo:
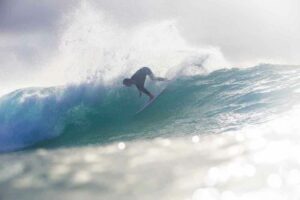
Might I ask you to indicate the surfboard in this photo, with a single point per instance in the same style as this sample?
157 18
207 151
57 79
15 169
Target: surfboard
150 102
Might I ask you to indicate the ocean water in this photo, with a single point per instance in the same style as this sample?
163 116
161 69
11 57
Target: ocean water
228 134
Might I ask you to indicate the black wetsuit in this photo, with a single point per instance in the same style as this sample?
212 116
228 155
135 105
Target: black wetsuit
139 78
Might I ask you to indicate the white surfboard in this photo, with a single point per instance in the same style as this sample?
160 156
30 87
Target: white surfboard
150 102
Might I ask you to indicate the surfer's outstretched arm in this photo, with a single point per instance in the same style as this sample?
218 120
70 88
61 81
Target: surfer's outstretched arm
152 77
159 79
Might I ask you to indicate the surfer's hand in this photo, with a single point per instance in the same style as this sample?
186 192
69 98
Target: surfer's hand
161 79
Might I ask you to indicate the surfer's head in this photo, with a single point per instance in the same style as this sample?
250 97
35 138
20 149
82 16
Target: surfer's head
127 82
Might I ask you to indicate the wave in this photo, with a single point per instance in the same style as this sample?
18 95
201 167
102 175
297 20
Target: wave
90 113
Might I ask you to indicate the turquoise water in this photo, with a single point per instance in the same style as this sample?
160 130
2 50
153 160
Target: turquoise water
90 114
87 137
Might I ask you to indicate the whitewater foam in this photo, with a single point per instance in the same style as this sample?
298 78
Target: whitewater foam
92 47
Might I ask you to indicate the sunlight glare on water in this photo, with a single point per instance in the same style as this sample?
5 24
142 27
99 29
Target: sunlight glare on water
237 166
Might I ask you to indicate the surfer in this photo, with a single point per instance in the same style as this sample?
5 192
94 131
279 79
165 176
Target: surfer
138 79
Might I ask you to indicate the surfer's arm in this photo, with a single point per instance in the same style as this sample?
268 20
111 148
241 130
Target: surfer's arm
159 79
139 90
153 78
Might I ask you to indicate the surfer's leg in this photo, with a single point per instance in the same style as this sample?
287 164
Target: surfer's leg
144 90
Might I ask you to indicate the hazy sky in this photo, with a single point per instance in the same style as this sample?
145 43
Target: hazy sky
247 32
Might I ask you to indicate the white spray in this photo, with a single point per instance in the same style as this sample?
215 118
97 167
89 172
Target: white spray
93 47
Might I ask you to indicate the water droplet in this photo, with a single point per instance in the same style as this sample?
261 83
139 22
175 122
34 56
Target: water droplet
121 145
195 139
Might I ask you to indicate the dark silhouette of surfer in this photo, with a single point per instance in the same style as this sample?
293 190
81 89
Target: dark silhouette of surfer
138 79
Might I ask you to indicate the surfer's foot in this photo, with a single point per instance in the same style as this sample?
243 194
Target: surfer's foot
151 97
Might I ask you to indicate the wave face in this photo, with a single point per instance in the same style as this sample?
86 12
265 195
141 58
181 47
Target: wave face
89 113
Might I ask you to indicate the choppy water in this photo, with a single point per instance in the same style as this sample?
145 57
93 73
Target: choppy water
231 134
